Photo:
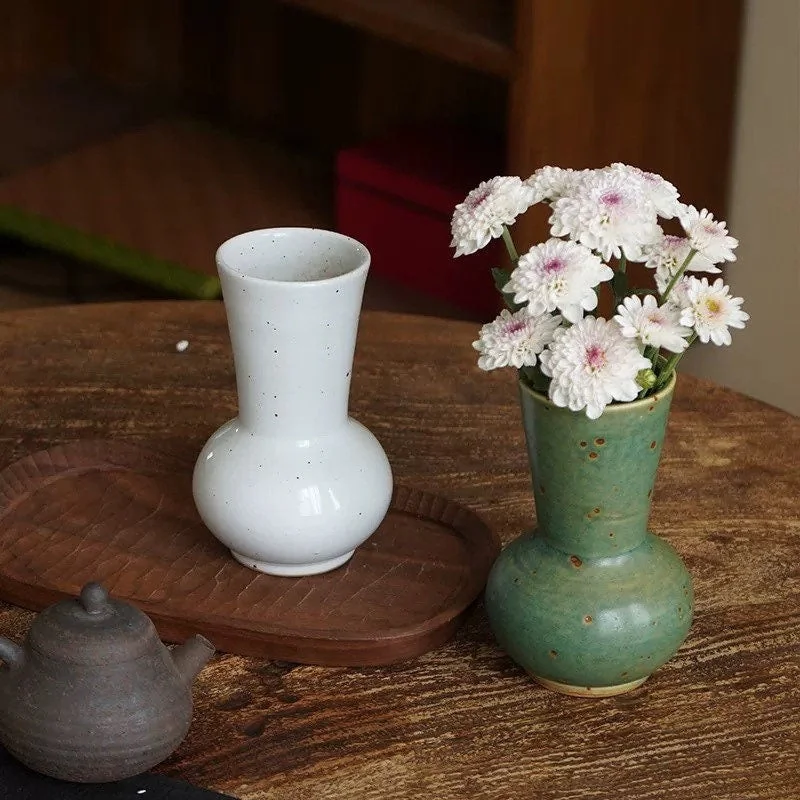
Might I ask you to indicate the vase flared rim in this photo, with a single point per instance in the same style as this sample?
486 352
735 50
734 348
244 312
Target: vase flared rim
613 408
223 256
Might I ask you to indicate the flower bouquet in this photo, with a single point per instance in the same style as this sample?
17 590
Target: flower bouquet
601 221
591 602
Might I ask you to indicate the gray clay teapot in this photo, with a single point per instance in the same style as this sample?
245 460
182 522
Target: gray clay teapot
93 695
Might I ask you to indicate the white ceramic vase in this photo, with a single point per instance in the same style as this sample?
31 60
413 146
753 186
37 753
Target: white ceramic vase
292 485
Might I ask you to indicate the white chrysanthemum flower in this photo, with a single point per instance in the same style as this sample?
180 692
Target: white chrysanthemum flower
666 256
609 213
707 235
710 310
592 364
558 275
652 324
514 340
485 210
550 183
661 193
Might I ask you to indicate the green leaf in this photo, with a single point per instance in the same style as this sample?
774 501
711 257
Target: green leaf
535 378
501 277
619 283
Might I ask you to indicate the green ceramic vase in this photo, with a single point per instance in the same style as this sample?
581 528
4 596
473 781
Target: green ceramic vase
590 602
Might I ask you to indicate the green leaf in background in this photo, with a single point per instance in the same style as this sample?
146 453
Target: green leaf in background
501 277
139 266
619 284
535 378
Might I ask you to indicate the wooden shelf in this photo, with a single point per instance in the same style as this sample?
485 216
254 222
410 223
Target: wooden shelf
475 33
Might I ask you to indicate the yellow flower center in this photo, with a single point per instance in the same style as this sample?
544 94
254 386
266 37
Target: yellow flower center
713 305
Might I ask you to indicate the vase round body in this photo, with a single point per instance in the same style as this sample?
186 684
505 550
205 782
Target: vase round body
590 602
292 485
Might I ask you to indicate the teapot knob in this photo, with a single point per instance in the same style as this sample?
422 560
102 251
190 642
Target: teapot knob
94 598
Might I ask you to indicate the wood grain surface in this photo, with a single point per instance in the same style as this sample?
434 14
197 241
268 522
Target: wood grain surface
122 514
720 721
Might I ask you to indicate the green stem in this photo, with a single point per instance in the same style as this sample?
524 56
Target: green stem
623 263
677 276
669 367
509 243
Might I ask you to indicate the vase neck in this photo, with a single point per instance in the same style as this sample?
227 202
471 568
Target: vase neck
595 527
293 347
593 479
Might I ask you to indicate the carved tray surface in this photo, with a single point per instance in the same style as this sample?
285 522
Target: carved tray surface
123 514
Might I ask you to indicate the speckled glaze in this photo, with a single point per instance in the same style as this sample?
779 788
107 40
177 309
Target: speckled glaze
292 485
591 603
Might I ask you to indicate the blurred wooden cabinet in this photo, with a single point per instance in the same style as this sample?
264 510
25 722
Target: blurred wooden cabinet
588 82
569 82
575 83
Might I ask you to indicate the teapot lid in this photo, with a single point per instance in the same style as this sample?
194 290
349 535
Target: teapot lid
92 629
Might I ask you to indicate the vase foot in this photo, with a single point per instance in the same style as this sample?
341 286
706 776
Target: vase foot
293 570
590 691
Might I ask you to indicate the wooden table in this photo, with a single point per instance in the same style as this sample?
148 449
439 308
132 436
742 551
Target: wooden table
720 721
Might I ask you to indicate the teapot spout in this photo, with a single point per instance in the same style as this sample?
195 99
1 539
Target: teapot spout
192 656
12 654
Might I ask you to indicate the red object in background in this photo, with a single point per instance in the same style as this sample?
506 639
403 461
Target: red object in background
397 196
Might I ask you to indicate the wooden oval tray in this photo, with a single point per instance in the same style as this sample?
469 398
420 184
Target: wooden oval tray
124 515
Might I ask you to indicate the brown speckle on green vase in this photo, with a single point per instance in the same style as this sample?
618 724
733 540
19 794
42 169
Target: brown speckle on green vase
592 455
